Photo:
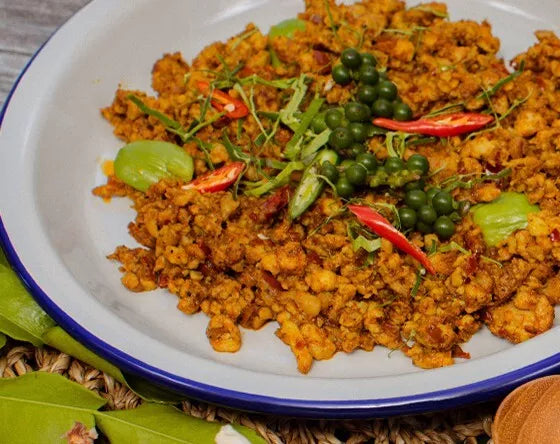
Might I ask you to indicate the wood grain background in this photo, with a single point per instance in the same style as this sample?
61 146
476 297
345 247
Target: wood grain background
24 26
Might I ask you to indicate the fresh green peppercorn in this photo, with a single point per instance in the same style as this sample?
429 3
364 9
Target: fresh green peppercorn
368 75
423 227
340 139
343 187
383 75
351 58
368 160
368 59
356 174
367 94
430 194
444 227
341 75
427 214
356 149
443 203
333 118
347 163
415 199
394 164
357 112
330 171
416 185
419 163
319 124
358 131
387 90
408 217
344 123
382 108
401 111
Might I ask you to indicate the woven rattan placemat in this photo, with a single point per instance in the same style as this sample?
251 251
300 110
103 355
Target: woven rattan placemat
471 425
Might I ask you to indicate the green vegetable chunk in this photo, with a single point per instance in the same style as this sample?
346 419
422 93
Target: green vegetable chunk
145 162
502 217
286 28
311 185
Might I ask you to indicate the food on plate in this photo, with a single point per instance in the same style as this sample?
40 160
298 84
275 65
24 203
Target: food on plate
363 175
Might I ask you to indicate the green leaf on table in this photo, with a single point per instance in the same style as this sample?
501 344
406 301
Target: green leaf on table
150 392
2 340
3 260
20 316
156 424
57 338
43 407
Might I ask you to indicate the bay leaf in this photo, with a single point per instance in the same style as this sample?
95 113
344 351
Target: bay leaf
158 424
20 316
42 407
57 338
2 340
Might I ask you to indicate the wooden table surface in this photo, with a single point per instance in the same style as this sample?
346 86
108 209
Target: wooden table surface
24 26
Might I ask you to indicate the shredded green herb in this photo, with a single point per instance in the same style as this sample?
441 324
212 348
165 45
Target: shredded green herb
457 181
293 147
281 179
417 282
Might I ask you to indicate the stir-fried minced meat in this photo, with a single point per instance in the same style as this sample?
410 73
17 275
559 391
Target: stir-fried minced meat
244 263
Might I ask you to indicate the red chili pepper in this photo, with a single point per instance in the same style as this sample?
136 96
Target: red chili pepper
441 126
224 102
217 180
382 227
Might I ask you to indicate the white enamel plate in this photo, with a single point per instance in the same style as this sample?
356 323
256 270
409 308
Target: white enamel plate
57 234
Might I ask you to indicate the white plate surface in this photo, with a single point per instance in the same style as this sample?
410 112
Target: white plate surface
57 234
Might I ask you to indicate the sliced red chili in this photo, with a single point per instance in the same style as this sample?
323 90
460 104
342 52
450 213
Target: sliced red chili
383 228
440 126
555 235
217 180
222 101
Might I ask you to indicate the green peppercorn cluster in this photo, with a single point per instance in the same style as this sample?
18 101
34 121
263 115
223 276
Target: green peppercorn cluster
375 90
431 211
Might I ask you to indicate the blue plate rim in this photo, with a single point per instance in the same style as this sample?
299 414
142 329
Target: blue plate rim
349 409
